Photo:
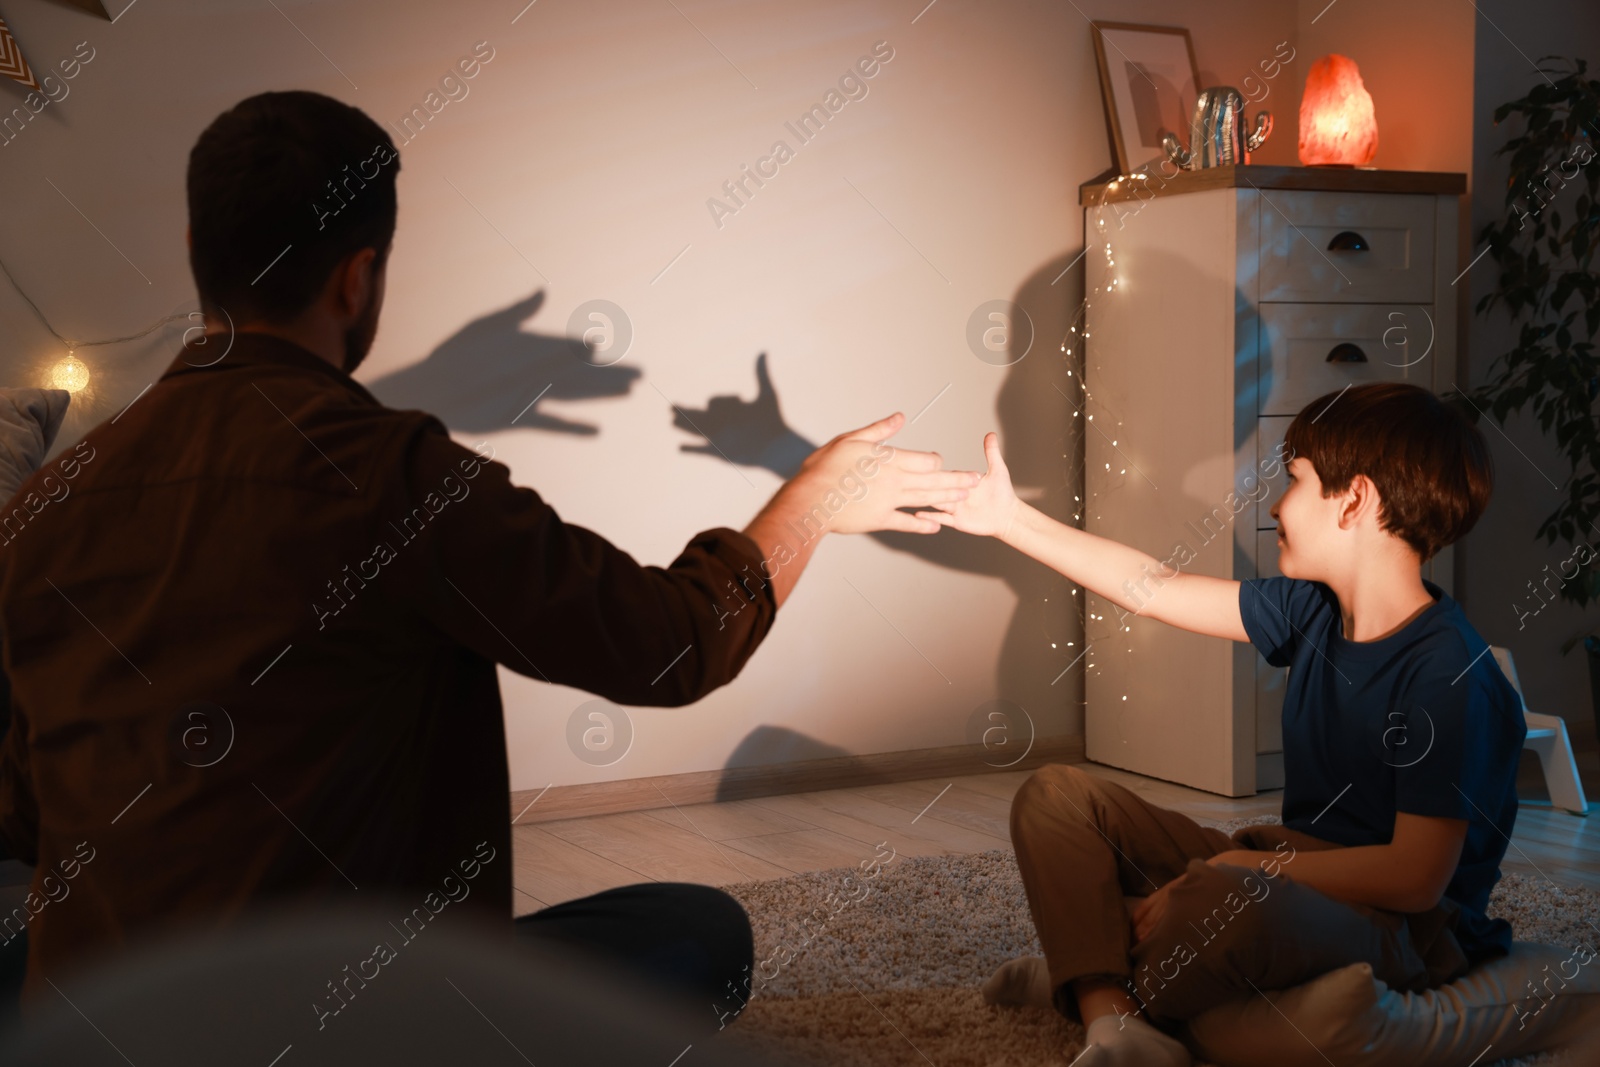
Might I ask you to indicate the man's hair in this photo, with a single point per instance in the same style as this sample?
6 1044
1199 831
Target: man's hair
1429 463
286 170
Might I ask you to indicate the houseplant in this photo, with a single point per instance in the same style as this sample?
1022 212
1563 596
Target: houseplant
1545 247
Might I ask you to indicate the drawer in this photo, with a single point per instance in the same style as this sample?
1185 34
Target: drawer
1366 343
1319 246
1270 432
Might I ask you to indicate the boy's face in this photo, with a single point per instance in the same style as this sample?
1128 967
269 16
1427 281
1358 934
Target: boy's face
1305 520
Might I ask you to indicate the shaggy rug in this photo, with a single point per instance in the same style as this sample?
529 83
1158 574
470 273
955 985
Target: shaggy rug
882 965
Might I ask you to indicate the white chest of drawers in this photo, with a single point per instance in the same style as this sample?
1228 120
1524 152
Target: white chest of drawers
1240 295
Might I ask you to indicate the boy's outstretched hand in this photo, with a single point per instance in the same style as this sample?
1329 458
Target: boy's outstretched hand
991 508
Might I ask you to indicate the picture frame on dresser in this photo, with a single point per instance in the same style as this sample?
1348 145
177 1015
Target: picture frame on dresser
1149 80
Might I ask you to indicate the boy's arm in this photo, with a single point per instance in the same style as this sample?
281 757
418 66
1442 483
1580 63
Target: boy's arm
1125 576
1129 578
1409 874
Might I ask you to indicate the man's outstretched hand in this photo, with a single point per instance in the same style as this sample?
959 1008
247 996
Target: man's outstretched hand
991 509
875 479
856 483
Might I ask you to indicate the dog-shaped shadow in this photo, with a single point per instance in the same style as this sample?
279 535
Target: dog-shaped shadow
492 375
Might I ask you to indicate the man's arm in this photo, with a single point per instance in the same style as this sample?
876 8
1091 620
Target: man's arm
1127 577
499 572
19 811
1409 874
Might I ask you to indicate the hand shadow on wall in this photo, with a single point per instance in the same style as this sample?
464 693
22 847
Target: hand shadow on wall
491 375
1040 440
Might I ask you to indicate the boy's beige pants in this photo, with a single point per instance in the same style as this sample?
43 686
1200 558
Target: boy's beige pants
1084 843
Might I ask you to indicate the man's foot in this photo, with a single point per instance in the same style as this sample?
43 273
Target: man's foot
1129 1041
1020 983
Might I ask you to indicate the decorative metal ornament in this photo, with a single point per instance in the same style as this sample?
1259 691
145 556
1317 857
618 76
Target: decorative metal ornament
1216 133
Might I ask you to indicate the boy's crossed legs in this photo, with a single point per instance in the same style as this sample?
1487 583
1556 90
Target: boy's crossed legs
1227 932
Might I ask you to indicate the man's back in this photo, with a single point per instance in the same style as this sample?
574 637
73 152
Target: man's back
252 654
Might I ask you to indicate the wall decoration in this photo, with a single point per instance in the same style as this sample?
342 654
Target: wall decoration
12 65
1150 82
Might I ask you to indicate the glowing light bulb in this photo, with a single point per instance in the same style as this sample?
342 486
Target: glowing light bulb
70 374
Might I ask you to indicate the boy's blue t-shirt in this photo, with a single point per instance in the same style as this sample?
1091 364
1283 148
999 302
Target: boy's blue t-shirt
1422 721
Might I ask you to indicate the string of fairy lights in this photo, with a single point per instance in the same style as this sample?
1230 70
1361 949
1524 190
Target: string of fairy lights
1074 347
70 372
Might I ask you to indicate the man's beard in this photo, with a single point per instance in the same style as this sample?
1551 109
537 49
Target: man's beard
358 338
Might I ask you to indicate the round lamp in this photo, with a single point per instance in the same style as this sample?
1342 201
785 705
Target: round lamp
70 374
1337 124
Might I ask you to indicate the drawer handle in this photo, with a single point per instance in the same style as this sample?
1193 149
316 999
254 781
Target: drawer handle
1348 241
1347 353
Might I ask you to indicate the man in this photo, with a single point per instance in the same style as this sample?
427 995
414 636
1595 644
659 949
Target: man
252 654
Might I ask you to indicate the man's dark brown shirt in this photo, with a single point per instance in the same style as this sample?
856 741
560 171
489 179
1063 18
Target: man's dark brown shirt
251 642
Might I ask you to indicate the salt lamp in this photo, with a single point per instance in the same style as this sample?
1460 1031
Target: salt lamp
1337 125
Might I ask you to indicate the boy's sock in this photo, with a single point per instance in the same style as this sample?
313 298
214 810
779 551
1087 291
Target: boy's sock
1020 983
1129 1041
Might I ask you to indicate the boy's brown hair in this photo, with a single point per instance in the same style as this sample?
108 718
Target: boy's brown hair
1429 463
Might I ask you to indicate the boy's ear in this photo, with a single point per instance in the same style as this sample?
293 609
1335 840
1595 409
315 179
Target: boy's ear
1359 498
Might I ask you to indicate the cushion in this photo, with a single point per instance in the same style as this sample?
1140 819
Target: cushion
29 420
1537 998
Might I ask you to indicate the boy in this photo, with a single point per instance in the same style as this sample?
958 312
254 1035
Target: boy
1401 740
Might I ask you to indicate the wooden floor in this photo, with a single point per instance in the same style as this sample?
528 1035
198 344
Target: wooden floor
773 837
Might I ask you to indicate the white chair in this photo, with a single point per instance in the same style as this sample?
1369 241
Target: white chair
1547 737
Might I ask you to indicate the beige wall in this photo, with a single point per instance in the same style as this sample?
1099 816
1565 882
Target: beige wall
581 162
